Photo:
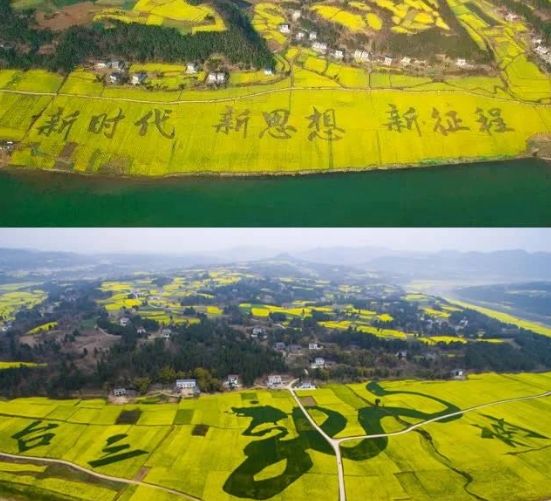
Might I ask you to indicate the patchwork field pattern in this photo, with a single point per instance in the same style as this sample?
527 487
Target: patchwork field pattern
258 444
408 17
166 303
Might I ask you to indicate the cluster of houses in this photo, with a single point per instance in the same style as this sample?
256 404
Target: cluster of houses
116 72
359 56
185 387
541 50
295 348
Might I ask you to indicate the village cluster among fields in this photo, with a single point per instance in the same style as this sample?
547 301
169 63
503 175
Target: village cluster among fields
315 88
247 325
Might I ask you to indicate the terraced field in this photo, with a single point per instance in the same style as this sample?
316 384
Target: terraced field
258 444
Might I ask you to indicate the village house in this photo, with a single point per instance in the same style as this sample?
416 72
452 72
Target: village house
306 385
401 355
268 71
124 321
274 381
141 330
7 146
7 45
294 348
405 61
318 363
319 47
312 36
511 17
101 65
458 374
314 346
119 392
257 331
279 346
285 29
187 386
191 68
387 61
115 78
232 381
216 78
295 15
300 36
117 65
338 54
361 56
166 333
138 79
460 62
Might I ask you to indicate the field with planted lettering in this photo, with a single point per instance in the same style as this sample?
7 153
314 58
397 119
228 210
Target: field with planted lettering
258 444
314 114
277 132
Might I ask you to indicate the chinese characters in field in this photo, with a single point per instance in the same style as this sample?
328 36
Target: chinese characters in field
445 123
321 124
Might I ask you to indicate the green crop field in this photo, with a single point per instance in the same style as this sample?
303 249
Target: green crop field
313 115
259 445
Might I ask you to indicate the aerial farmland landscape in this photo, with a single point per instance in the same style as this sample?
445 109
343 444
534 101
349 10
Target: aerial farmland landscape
272 87
334 373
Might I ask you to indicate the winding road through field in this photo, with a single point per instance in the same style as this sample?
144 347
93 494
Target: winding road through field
335 442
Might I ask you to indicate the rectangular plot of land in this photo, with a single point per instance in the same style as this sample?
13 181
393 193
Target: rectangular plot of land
308 401
129 416
200 430
249 395
183 416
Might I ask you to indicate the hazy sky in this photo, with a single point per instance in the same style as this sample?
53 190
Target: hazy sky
186 240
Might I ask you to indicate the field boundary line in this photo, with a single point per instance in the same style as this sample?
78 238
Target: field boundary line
268 92
103 476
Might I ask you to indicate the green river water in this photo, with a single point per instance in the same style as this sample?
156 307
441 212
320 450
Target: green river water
513 193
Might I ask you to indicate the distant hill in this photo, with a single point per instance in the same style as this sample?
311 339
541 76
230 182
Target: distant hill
500 266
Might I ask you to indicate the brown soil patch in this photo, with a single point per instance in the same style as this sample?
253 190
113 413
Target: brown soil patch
71 15
308 401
